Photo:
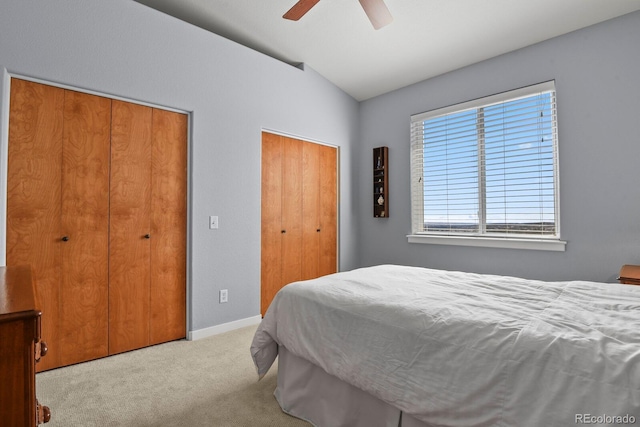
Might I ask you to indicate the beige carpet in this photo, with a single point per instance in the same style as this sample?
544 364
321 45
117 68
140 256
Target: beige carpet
209 382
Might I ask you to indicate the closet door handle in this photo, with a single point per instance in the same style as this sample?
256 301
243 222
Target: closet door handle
147 236
283 231
318 230
65 238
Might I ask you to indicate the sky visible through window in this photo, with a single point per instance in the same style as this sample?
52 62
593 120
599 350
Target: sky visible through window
491 167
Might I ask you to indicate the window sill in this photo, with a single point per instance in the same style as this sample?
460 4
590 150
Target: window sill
489 242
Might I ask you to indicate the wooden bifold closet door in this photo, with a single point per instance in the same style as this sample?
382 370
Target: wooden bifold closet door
57 213
148 227
96 204
299 213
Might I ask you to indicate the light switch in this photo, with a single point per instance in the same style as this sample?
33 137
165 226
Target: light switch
213 222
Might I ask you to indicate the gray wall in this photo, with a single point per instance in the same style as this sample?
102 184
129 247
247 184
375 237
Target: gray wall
122 48
597 74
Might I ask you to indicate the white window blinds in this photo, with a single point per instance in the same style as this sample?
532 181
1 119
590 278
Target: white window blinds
487 167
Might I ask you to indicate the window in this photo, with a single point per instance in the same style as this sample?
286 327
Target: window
487 168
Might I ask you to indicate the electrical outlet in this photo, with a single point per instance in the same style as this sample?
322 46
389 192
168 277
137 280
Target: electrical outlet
224 296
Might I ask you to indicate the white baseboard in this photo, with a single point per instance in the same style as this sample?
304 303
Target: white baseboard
225 327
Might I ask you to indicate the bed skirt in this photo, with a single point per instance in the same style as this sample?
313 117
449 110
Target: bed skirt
306 391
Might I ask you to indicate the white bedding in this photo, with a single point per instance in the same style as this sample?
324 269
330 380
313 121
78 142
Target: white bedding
461 349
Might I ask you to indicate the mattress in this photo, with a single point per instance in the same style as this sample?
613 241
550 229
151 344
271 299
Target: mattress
462 349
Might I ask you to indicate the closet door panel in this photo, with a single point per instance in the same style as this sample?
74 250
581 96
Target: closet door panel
291 210
168 226
271 220
328 212
129 251
33 197
310 210
85 223
299 213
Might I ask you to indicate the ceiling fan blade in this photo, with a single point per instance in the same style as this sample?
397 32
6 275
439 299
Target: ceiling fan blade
377 12
299 9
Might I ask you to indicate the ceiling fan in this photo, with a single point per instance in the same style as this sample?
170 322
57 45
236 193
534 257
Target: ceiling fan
376 10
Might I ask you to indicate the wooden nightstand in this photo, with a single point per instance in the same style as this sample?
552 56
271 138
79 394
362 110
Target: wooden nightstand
630 275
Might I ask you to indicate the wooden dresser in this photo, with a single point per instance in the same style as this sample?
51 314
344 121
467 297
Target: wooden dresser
20 349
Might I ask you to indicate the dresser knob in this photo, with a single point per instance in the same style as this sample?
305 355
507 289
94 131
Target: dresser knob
41 350
43 413
46 414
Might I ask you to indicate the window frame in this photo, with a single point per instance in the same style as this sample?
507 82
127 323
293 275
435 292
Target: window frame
481 237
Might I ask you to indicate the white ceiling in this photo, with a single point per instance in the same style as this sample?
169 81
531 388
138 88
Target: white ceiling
426 38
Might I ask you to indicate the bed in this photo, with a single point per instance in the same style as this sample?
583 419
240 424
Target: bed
405 346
